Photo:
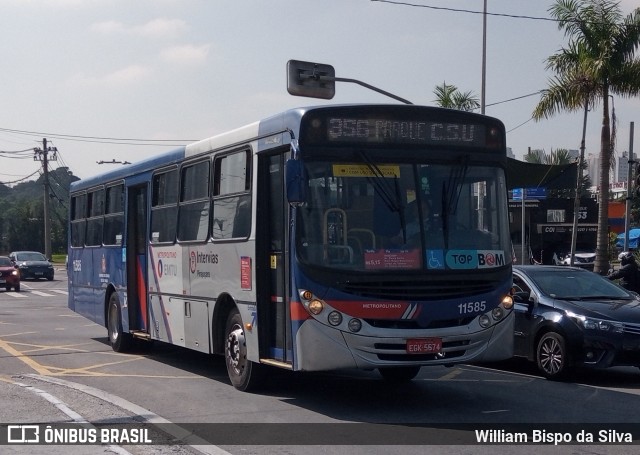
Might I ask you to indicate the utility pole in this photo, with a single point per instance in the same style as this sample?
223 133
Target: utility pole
484 58
576 201
43 155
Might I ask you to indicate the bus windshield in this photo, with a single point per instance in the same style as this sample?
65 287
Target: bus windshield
370 216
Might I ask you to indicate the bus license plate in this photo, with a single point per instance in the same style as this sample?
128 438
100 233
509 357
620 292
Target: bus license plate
424 345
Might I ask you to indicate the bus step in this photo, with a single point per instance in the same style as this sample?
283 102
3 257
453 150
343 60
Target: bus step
277 363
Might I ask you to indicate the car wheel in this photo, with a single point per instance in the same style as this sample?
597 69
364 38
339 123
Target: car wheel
50 278
7 288
119 341
399 374
17 288
552 356
244 374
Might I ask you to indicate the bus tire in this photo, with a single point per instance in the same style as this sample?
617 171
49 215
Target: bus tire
119 341
399 374
244 374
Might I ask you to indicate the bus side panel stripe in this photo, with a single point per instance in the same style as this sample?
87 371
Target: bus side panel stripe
142 294
156 283
298 313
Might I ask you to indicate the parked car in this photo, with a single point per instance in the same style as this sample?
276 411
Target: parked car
9 274
32 264
583 259
568 317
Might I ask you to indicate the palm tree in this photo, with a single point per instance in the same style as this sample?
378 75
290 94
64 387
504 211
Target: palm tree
598 61
555 158
450 97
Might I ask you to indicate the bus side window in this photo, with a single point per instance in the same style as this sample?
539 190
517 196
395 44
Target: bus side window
242 220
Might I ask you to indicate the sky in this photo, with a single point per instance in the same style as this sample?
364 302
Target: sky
90 75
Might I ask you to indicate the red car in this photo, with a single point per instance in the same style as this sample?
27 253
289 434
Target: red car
9 274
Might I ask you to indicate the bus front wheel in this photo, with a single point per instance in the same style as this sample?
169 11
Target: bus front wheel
244 374
119 341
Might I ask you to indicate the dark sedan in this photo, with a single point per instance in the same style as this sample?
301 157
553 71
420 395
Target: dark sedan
568 317
32 264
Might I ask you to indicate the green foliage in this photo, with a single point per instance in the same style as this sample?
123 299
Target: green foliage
22 213
450 97
599 60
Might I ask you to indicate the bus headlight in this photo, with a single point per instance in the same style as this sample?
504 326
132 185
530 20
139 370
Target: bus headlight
354 325
484 321
334 318
497 313
507 302
315 306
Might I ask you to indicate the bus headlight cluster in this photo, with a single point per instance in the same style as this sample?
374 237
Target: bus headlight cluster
316 306
496 314
311 303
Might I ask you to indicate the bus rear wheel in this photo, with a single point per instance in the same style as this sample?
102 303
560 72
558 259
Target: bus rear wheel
399 374
244 374
119 341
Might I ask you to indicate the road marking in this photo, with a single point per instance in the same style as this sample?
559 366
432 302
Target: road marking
41 294
17 295
84 371
455 372
60 291
141 413
64 408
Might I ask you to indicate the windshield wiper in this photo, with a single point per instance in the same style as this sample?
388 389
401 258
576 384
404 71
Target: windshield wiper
389 195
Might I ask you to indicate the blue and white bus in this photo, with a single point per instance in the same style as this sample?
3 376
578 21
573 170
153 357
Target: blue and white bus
322 238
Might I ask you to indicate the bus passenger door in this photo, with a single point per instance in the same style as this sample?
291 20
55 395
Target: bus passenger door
271 253
136 257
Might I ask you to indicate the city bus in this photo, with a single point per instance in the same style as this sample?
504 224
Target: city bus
322 238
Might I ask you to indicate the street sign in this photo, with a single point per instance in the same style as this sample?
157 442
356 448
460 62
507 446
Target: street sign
536 193
529 193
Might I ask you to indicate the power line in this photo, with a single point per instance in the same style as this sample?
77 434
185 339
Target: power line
523 123
20 180
17 151
457 10
514 99
103 140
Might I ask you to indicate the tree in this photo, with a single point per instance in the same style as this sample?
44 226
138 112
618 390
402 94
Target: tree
599 61
450 97
557 157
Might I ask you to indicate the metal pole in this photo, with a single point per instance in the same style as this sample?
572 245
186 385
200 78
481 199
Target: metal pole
523 233
484 57
627 213
576 201
47 221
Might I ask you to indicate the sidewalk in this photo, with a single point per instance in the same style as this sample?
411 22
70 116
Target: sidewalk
28 401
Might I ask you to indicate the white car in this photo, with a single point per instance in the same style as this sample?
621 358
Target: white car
584 259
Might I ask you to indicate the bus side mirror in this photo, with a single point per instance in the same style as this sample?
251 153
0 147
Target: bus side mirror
296 180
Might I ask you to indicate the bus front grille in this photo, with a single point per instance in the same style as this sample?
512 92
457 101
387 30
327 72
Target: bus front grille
417 289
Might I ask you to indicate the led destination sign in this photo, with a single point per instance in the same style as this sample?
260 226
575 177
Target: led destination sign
405 131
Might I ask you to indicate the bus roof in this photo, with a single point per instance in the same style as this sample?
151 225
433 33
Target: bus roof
278 123
145 165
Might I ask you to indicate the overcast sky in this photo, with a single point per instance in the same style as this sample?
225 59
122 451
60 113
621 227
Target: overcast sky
182 70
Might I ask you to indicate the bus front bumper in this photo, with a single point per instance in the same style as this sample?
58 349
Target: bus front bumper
324 348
